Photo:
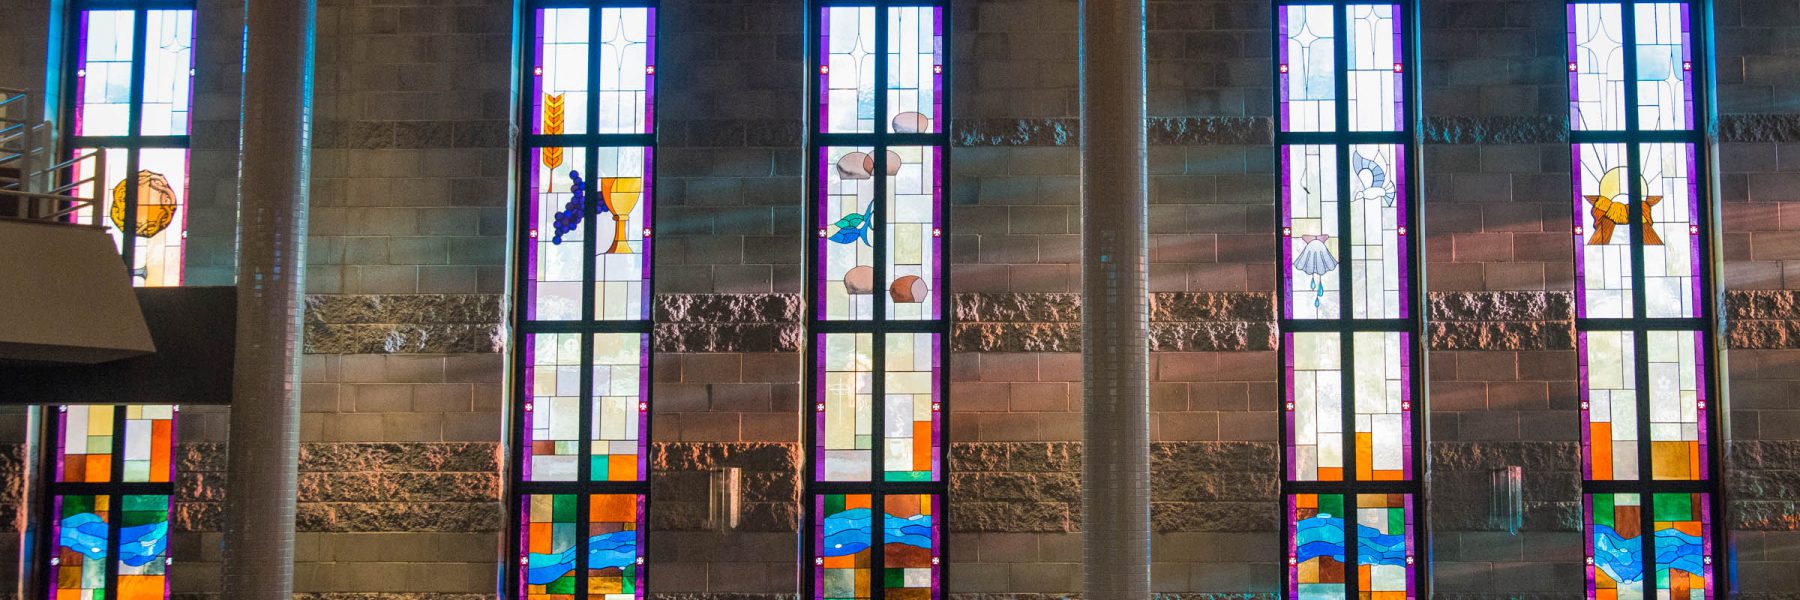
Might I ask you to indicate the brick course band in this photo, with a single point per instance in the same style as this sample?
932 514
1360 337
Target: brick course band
1252 131
998 322
403 323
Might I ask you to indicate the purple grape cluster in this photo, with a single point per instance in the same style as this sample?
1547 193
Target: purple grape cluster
570 217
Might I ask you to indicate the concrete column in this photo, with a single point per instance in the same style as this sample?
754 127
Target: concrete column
1115 486
272 195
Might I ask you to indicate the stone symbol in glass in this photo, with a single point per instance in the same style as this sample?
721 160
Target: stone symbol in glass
156 204
621 195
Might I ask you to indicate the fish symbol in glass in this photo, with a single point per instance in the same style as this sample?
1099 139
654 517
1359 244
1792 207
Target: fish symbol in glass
621 195
155 204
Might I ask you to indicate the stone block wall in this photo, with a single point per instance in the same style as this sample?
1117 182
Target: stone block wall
404 389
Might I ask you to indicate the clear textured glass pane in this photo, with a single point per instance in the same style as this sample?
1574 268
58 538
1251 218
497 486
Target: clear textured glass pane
915 243
623 196
103 72
149 441
1311 234
1677 405
1375 67
555 210
143 548
845 406
1665 61
915 86
1603 235
168 71
157 205
84 450
1315 407
1316 542
842 539
846 269
910 550
1377 232
1596 67
552 406
627 47
1382 381
1672 231
1609 404
621 407
615 552
560 72
1384 545
1308 68
847 71
912 408
1615 549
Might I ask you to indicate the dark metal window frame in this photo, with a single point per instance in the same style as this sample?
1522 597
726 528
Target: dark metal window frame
132 143
1341 139
582 487
1703 138
878 325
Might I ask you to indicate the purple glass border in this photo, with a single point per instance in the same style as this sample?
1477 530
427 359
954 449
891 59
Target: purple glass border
1575 114
644 406
818 405
937 76
524 544
1587 426
1286 231
937 412
1283 69
1699 230
1407 403
823 66
1704 381
1587 540
649 88
1401 73
1403 250
1291 531
1580 233
1412 516
537 73
1288 406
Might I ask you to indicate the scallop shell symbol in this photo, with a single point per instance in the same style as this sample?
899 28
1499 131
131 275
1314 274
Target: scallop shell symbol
156 204
908 289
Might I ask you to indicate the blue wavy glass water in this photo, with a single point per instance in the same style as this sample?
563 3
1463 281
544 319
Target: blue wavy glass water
617 549
847 532
1323 535
1619 557
138 546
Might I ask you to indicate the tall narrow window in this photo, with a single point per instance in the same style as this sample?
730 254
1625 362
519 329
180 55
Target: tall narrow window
111 471
582 344
1643 300
1350 314
878 301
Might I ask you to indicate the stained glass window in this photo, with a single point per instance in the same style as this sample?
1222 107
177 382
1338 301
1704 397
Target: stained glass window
582 345
112 468
1349 345
878 295
1643 320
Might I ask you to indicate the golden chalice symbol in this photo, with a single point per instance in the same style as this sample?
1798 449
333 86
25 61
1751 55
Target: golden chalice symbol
621 195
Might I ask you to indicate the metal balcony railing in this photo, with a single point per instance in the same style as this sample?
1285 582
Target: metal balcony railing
33 184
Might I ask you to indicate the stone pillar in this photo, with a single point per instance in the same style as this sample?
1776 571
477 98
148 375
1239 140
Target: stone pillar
1115 486
272 195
